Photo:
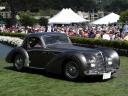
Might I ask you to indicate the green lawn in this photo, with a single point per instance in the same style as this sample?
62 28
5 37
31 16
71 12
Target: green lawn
36 83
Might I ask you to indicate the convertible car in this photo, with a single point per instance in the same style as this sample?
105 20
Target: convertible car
55 53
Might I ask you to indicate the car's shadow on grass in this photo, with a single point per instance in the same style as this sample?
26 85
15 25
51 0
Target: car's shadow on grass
87 79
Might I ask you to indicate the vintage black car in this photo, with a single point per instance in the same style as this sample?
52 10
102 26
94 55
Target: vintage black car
55 53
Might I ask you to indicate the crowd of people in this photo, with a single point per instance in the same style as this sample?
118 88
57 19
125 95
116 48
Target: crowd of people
22 29
107 32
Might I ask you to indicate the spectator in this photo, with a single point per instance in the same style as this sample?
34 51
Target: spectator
126 37
91 34
106 35
98 35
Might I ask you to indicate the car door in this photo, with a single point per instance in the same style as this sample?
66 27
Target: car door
34 47
35 57
39 56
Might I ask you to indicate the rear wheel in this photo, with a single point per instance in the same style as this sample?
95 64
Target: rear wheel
19 62
71 70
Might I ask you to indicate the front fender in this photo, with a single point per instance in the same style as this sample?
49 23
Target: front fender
18 50
56 65
80 58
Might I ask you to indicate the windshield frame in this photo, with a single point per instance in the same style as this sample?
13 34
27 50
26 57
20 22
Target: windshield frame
55 35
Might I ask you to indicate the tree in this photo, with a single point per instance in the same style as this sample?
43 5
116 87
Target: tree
117 5
26 19
23 5
124 16
43 21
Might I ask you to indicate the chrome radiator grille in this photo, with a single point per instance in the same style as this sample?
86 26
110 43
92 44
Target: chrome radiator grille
100 62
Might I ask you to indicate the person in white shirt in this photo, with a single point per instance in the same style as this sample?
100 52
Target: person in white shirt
106 36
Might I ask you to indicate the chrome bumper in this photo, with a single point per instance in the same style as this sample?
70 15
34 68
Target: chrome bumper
95 72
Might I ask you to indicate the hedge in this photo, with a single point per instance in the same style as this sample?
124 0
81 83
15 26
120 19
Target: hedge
21 35
116 44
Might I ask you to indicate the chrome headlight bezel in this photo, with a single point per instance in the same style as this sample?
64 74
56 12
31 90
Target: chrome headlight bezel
92 61
109 61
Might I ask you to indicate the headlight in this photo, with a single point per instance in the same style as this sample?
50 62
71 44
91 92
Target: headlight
109 61
92 62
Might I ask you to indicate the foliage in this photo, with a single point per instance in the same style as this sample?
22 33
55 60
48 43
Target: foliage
117 44
84 5
23 5
124 16
26 18
117 5
43 21
46 12
20 35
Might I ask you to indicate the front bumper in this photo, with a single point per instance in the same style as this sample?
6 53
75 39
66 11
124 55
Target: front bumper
105 75
95 72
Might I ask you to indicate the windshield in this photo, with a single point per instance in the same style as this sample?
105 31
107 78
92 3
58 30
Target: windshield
51 39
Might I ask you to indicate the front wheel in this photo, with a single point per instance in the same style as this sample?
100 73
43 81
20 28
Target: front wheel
71 70
19 62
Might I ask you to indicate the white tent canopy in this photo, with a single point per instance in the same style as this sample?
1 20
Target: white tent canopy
110 18
66 16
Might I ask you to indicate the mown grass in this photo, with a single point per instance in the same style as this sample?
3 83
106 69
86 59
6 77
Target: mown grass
39 83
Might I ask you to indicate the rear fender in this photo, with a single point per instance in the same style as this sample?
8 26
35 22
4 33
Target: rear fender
19 50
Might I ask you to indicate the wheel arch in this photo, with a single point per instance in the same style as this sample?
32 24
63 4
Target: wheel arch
77 57
19 50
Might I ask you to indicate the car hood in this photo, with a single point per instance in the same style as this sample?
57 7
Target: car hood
70 47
